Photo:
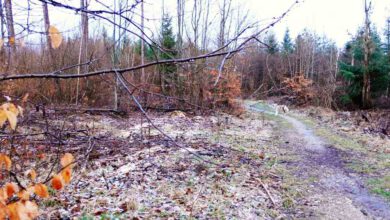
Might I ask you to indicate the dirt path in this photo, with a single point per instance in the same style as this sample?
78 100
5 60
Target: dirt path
334 192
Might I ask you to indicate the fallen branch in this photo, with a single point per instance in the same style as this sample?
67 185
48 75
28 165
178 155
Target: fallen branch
267 191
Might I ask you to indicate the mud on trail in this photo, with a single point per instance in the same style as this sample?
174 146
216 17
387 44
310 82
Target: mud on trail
330 190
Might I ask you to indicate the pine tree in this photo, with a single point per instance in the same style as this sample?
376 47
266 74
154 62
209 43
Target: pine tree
287 44
168 72
353 71
272 44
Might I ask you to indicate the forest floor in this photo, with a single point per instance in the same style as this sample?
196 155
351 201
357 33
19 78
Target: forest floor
256 166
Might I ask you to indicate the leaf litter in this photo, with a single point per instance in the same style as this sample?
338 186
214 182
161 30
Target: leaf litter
133 171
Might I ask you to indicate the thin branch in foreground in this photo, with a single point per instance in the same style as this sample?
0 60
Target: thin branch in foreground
122 80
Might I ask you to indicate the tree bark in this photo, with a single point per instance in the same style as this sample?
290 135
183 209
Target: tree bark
83 53
2 21
143 77
10 24
46 20
366 93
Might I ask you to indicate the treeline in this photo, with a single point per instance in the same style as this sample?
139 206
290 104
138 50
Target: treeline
312 70
196 84
309 69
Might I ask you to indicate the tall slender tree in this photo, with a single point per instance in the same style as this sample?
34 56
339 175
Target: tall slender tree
168 74
10 24
287 44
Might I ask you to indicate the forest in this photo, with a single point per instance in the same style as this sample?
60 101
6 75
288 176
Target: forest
192 109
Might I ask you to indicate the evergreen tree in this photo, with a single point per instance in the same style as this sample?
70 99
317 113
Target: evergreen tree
352 70
287 44
168 72
272 44
149 52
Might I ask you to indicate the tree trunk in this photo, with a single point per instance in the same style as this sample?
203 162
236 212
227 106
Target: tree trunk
83 53
2 21
51 58
143 77
10 24
46 20
366 93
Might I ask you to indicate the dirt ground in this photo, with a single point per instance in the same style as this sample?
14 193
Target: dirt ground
256 166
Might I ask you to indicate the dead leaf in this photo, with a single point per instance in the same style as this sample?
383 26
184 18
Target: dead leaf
55 37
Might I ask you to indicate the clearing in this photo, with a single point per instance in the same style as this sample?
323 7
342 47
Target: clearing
257 166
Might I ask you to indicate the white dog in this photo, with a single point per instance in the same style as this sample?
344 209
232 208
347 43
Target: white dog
282 108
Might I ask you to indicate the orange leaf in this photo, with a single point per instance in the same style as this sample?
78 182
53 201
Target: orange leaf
4 159
67 159
13 211
66 175
11 41
57 182
3 211
23 210
3 195
41 190
11 188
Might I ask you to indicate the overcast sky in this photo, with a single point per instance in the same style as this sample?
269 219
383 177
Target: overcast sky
336 19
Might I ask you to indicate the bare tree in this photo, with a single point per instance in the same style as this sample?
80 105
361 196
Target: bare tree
143 76
180 25
205 26
225 10
46 20
366 93
83 52
2 21
10 24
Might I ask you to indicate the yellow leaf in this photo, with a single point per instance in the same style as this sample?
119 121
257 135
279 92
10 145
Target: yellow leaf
12 112
57 182
41 190
55 37
67 159
32 174
3 117
12 108
1 46
12 119
66 175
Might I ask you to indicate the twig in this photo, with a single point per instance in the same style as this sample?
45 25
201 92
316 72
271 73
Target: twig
267 191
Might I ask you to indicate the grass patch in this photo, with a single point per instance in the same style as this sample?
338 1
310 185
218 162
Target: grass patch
338 141
380 186
361 167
